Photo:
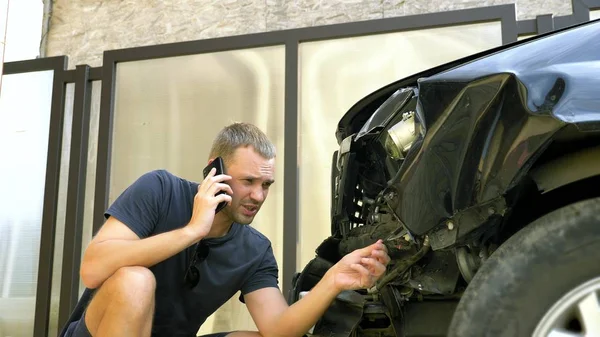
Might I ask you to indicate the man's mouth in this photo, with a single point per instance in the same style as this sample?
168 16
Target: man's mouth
249 209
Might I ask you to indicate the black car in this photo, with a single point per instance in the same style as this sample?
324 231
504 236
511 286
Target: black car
483 178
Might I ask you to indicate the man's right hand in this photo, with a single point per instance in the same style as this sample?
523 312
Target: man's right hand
206 201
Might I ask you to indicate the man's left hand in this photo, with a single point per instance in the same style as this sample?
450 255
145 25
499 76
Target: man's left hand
361 268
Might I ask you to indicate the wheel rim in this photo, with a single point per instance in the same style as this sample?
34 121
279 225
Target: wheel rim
575 314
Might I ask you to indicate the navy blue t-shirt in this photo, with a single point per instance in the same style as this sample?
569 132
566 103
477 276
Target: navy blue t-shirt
242 260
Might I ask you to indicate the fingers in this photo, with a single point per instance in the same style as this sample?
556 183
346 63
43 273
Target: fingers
375 267
216 187
360 269
366 251
211 195
380 252
211 173
381 256
211 180
378 245
366 278
223 198
207 180
377 251
221 178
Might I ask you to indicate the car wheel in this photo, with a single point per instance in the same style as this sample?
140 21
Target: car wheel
542 282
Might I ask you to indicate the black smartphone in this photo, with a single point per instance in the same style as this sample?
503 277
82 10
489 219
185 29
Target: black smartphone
218 164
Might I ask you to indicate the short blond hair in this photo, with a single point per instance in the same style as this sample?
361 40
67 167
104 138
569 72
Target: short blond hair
238 135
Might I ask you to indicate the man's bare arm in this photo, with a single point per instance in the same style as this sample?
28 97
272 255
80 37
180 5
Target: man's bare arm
274 318
117 246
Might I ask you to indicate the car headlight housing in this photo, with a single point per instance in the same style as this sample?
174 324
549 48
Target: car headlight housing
400 136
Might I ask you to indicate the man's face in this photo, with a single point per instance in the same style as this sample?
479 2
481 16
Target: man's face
251 177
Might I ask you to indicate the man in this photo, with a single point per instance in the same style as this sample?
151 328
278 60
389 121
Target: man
164 261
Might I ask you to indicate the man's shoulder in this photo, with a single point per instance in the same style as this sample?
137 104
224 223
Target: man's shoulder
162 177
161 187
250 242
255 235
160 174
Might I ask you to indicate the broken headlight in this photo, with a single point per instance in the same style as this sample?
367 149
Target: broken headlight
400 136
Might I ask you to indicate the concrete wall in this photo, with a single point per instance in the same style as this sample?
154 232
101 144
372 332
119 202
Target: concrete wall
84 29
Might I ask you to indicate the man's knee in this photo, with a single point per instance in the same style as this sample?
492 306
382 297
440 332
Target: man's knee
136 282
129 289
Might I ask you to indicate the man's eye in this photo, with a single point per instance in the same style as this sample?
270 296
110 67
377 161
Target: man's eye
249 181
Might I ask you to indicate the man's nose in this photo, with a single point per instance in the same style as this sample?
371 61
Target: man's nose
257 194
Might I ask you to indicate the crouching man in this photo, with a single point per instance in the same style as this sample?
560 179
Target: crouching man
164 260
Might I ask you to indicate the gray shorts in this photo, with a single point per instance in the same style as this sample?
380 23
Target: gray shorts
78 329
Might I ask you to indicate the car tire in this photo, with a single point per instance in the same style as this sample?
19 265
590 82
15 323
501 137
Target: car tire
530 272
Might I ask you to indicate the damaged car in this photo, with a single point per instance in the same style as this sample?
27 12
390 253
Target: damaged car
483 178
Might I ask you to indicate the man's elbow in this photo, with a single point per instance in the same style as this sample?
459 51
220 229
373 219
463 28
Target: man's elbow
90 276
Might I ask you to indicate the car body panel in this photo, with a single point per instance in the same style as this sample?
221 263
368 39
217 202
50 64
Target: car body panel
487 120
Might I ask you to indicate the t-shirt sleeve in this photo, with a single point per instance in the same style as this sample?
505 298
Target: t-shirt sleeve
138 207
266 275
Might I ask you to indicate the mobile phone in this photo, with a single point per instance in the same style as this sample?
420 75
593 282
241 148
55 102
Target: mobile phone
218 164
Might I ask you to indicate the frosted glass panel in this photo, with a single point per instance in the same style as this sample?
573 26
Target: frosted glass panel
167 112
88 209
25 102
3 18
61 211
335 74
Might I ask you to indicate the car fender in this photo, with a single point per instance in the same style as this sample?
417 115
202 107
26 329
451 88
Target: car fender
567 169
